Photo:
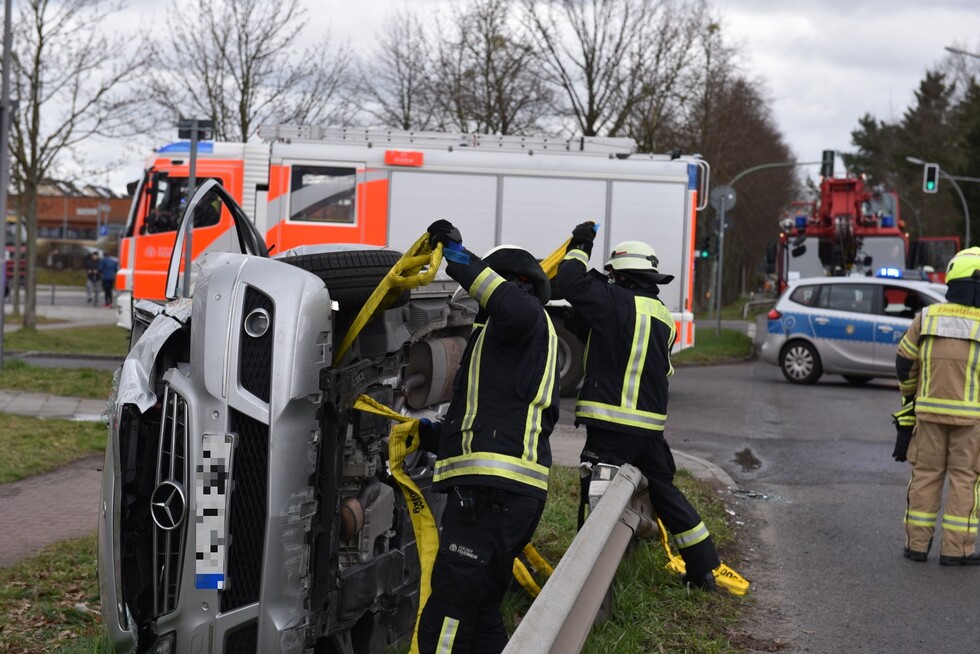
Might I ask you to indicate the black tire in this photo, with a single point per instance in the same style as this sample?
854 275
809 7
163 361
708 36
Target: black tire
800 363
857 380
570 364
351 277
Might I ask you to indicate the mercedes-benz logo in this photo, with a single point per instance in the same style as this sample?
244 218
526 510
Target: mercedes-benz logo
167 505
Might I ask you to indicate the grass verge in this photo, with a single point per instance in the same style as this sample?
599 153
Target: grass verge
50 602
66 382
652 611
103 340
30 446
710 347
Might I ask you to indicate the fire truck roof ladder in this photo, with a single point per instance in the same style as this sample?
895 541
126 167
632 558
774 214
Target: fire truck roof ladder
381 137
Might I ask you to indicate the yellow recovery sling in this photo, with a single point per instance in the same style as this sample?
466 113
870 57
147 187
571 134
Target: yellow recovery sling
725 576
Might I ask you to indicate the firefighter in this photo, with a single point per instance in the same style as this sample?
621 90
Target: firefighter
938 370
623 400
493 454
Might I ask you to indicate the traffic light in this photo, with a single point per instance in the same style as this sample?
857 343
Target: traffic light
707 248
930 178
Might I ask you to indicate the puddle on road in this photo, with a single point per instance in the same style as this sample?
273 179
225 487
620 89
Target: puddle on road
747 460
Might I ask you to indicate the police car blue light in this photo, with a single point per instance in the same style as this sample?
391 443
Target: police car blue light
893 273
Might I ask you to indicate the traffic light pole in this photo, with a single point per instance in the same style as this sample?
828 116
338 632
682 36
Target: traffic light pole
966 208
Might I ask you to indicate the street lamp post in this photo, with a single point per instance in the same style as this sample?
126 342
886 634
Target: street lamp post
966 208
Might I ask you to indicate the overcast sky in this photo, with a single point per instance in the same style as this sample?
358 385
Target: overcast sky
824 63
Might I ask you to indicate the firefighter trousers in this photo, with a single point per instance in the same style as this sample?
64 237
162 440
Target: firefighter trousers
651 455
483 530
938 452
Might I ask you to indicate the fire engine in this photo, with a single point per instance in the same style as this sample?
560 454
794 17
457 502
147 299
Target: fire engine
305 185
852 229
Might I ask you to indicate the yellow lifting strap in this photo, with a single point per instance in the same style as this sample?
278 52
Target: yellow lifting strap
405 274
403 439
524 576
725 576
550 263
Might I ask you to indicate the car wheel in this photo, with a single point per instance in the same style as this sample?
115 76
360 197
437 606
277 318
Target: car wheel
351 276
570 352
800 363
857 380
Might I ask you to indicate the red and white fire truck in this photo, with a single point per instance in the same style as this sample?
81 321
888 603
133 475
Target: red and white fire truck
306 185
854 229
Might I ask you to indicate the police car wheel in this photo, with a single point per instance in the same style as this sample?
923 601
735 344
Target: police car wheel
800 363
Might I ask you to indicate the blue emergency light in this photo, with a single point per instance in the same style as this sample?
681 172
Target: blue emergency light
801 222
894 273
888 221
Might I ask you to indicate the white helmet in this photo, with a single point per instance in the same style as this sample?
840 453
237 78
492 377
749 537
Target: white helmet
638 261
511 262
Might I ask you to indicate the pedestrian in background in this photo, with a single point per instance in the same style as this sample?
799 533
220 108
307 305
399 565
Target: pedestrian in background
92 277
938 370
493 453
108 267
623 400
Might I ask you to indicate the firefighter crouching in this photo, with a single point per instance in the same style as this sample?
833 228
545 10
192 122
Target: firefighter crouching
492 445
938 368
623 400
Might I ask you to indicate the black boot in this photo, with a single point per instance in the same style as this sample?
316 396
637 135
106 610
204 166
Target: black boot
703 581
916 556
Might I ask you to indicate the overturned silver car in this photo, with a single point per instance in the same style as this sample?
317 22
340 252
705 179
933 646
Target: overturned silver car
245 506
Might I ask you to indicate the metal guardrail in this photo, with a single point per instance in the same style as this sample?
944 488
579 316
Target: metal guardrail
561 617
756 304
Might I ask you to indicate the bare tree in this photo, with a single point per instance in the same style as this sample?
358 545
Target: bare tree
607 57
394 77
238 63
71 83
485 75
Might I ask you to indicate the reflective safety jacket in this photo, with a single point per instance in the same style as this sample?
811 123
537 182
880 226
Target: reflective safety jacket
627 356
943 343
505 394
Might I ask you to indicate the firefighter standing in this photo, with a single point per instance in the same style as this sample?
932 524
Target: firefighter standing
938 368
623 400
493 450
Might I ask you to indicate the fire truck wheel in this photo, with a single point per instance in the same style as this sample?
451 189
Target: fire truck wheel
800 363
350 276
570 352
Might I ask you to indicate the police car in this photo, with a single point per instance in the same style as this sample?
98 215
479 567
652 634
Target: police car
847 326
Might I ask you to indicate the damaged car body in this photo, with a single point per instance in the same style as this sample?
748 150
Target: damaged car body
246 507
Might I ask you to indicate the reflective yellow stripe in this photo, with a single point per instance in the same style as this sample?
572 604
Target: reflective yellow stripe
632 417
907 348
634 365
925 374
577 255
970 384
484 285
691 536
956 523
542 400
920 519
472 392
447 636
960 408
490 463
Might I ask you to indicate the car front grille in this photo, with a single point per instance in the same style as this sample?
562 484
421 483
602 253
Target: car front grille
169 503
243 641
246 527
255 354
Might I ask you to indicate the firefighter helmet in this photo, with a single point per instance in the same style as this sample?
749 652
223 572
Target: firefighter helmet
638 261
965 264
515 263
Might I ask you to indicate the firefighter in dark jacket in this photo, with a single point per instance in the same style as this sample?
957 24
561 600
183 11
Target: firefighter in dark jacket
938 369
623 400
492 445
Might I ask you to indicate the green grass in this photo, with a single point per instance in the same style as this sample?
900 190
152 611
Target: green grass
50 602
46 277
710 347
66 382
30 446
652 611
106 340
